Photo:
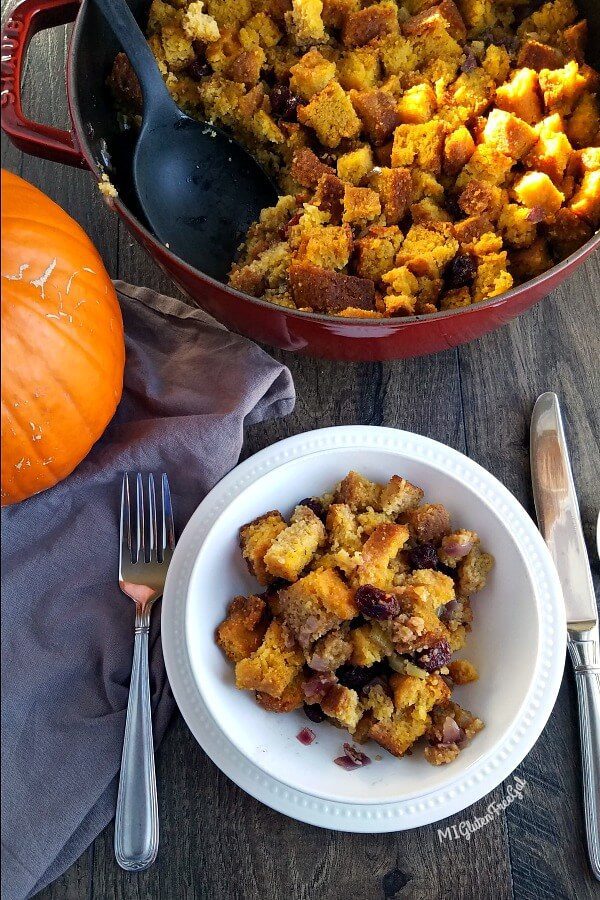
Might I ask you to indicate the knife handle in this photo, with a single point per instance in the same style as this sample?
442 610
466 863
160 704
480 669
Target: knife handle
585 656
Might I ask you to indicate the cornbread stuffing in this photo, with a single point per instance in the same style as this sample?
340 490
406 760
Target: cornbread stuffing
367 599
430 154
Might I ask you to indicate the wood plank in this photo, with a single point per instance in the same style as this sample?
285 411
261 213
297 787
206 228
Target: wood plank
552 347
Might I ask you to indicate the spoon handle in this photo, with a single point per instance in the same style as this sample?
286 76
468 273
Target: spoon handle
122 22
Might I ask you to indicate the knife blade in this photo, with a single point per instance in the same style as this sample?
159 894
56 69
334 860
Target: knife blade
557 512
560 523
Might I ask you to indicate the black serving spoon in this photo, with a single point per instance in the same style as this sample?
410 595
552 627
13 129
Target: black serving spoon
199 189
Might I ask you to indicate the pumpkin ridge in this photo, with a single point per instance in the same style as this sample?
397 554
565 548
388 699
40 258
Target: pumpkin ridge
27 434
67 392
32 305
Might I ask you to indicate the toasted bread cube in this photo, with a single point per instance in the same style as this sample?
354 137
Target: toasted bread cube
401 282
375 253
478 14
515 226
305 22
480 198
413 700
427 249
473 571
245 67
492 278
531 261
261 29
273 666
335 11
420 145
295 546
497 63
379 550
399 495
377 112
521 96
536 190
567 232
550 19
358 69
369 24
439 587
327 246
355 165
311 74
361 205
177 47
307 168
486 164
552 152
508 134
161 14
255 539
316 604
458 150
291 699
198 26
462 671
583 126
575 38
370 644
586 201
331 115
343 705
586 160
325 291
417 105
242 632
398 56
562 88
329 197
537 56
456 298
342 528
394 187
358 492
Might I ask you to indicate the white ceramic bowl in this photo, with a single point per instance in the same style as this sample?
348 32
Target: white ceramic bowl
517 642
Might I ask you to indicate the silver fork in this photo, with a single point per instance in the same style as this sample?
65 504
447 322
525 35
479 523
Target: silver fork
144 556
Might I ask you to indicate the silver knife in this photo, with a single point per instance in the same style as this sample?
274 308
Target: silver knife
560 523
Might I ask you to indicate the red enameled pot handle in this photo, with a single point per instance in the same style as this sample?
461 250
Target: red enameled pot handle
27 18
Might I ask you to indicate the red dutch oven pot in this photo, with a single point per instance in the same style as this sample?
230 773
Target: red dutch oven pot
96 143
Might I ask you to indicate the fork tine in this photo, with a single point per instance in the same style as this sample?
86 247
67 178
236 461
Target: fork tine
141 540
168 526
125 520
152 523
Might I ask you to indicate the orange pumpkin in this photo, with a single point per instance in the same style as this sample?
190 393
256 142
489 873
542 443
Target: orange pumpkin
62 342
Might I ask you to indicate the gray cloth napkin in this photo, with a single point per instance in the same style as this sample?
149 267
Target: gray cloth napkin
67 638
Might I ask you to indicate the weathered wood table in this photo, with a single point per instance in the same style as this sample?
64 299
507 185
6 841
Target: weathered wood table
217 842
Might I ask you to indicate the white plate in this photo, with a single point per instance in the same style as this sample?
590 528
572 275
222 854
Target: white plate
518 640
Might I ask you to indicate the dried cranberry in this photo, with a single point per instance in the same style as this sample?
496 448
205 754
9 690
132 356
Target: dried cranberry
283 103
316 506
314 712
461 271
199 67
355 677
435 657
376 603
423 556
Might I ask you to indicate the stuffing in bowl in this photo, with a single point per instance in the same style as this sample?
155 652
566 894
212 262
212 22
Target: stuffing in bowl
367 599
